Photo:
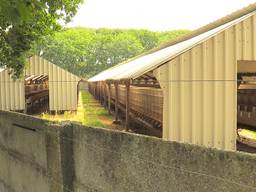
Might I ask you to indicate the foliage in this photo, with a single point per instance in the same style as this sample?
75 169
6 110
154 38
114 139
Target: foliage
166 36
86 52
22 22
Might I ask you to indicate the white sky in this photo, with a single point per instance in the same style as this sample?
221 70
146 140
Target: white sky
156 15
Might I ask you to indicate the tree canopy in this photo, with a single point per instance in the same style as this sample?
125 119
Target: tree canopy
86 52
23 22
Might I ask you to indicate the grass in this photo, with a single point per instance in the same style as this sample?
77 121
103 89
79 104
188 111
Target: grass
89 112
248 134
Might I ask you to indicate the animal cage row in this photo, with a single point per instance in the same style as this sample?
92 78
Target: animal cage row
147 102
144 102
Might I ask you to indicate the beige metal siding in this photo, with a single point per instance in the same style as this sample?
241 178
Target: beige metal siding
62 87
200 88
62 84
12 96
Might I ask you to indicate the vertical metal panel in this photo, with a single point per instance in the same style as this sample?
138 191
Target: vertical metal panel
193 98
174 101
73 93
11 93
206 74
69 88
253 37
55 88
51 82
201 91
208 96
62 90
218 83
59 88
163 74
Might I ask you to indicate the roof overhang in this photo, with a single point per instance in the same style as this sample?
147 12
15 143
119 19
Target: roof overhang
144 64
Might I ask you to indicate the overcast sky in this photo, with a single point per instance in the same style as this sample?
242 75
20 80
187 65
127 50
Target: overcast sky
157 15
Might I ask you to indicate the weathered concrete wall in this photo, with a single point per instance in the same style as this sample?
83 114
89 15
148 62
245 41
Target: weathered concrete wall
115 162
37 156
30 158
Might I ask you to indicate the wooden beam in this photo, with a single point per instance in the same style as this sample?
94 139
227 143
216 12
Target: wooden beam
146 85
142 77
109 98
116 101
105 94
245 66
149 76
127 107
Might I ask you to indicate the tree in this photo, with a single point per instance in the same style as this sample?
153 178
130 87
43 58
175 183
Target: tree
148 39
86 52
166 36
109 48
24 22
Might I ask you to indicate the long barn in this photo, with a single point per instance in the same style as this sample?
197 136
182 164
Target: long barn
43 82
188 87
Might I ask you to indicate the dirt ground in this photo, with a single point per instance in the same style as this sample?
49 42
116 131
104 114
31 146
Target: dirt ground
89 113
245 148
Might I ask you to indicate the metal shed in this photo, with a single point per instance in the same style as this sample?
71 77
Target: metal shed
62 87
198 78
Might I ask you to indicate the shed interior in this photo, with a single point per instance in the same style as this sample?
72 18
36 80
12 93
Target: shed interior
246 98
36 94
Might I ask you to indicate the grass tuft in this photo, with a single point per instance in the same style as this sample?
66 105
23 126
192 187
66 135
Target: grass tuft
89 112
248 134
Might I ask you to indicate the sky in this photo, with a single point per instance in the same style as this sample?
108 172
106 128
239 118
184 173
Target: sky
155 15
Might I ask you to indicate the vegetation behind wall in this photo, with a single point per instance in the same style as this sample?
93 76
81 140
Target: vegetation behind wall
37 155
86 52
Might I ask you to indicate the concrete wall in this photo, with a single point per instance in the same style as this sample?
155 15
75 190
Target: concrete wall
113 162
71 157
30 158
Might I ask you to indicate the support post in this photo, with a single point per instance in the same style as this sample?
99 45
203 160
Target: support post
116 101
100 93
109 98
105 95
96 90
127 109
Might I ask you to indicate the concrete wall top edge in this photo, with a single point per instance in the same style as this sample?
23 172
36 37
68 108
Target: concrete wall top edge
79 129
32 122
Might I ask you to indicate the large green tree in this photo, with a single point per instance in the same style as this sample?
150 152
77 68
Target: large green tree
23 22
86 52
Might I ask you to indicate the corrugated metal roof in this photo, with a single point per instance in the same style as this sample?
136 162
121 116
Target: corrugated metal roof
146 63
